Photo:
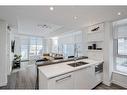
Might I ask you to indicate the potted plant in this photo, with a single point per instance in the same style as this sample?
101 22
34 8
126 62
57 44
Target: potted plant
16 61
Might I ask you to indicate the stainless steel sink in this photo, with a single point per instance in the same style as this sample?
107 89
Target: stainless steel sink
76 64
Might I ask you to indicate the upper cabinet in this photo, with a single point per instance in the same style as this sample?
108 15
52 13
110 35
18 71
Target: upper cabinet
96 33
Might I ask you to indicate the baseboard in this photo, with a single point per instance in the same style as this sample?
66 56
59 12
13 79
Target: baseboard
119 79
118 83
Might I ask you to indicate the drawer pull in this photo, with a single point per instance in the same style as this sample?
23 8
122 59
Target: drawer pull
63 78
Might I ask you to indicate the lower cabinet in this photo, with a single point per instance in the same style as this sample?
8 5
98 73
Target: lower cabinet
84 78
79 79
65 81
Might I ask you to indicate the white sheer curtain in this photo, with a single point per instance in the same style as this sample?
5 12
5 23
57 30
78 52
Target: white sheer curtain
24 48
32 47
120 45
120 29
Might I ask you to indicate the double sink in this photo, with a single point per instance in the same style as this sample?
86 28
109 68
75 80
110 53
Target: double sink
76 64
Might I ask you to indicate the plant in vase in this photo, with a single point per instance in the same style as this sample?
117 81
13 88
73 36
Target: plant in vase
16 61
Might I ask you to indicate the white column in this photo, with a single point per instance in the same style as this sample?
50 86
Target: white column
108 54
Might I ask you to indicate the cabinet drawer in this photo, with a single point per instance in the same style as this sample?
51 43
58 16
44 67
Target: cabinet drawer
84 78
62 82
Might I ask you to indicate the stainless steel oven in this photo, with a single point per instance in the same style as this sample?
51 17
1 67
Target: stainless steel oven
99 68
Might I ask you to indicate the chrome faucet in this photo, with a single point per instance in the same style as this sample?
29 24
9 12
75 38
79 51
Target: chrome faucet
75 52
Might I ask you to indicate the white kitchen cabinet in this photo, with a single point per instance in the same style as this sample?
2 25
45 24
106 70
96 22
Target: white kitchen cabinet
84 78
76 78
65 81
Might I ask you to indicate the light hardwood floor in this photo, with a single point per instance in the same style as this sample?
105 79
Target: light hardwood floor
105 87
26 79
23 79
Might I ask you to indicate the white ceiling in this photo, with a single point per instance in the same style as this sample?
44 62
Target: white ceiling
62 16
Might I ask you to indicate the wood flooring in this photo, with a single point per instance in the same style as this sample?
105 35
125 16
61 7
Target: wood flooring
112 87
23 79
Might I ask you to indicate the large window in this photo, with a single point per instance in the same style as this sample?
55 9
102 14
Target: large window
71 44
120 46
24 48
31 48
121 55
72 50
68 50
36 48
55 45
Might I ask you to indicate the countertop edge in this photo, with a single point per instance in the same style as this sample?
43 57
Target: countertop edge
69 71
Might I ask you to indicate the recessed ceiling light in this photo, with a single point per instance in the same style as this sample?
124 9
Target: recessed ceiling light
51 8
119 13
75 17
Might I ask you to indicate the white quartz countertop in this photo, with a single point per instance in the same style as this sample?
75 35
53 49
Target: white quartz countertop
54 70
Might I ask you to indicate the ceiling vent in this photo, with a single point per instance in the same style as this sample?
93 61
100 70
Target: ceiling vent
44 26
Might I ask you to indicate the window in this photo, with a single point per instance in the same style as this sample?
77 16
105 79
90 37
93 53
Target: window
68 50
70 44
31 48
120 46
24 49
121 56
39 47
55 45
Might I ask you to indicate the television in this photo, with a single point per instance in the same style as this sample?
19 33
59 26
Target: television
12 46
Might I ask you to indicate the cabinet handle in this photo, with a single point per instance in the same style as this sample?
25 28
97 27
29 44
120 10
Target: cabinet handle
63 78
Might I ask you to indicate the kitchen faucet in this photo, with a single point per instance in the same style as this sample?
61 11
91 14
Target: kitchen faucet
75 52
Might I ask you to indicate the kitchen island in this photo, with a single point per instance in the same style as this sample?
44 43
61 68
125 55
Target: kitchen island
51 62
64 76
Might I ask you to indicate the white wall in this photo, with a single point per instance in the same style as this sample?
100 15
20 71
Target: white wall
3 54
